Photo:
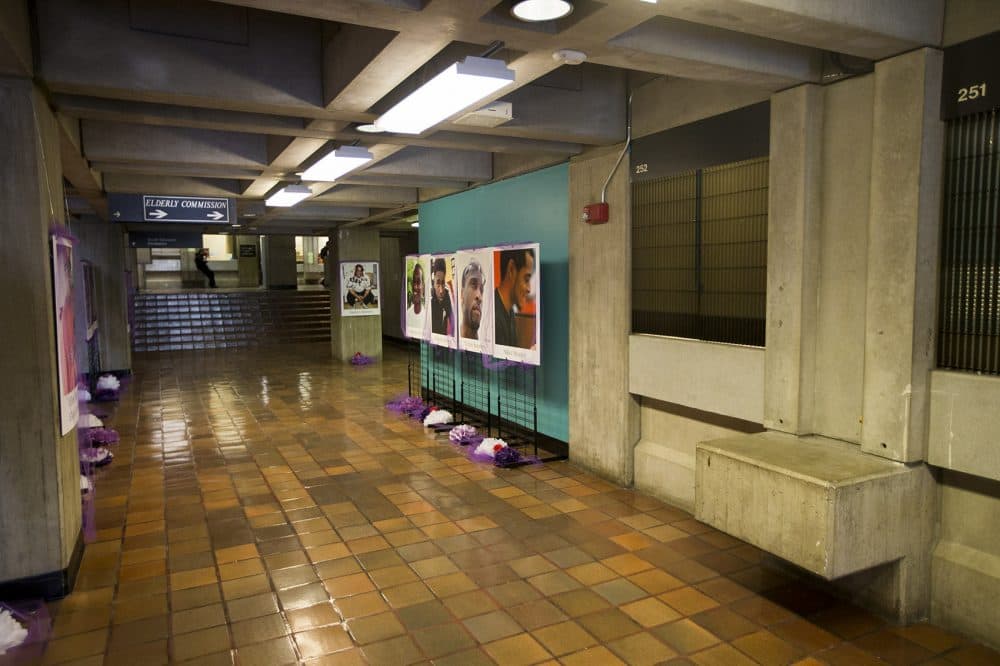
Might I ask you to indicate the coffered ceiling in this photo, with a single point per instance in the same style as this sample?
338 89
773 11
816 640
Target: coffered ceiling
235 98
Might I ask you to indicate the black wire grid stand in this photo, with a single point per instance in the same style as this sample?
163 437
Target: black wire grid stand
499 398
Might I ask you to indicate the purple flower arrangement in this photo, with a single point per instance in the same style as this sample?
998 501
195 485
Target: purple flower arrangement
361 359
506 457
465 435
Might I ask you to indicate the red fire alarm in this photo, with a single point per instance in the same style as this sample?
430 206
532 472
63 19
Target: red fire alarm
596 213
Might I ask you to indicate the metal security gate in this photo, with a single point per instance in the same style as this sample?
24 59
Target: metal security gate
968 324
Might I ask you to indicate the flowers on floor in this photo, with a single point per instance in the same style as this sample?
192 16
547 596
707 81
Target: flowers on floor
88 421
489 447
464 435
361 359
438 417
82 394
506 456
97 456
410 405
12 633
103 436
107 387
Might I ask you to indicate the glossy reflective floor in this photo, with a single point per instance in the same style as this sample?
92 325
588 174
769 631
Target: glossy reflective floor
264 508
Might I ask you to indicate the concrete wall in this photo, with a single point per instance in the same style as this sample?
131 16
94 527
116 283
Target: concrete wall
603 416
349 335
393 252
103 244
279 255
40 521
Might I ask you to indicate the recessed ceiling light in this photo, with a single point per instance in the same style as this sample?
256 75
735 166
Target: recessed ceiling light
371 128
337 163
289 196
541 10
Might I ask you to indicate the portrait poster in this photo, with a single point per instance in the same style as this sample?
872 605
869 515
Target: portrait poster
359 289
417 296
517 307
474 286
443 324
62 286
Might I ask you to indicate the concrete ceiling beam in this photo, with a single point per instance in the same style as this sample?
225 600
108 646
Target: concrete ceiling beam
178 185
372 197
123 142
428 162
15 39
856 27
702 46
88 47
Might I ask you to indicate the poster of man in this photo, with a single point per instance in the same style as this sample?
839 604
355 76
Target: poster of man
62 286
517 303
417 296
474 269
359 286
443 324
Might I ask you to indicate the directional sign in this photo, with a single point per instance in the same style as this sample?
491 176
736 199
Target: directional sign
184 209
179 239
170 208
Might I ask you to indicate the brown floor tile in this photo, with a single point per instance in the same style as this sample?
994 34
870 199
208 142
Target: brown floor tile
200 643
469 604
202 617
76 646
688 601
893 648
259 629
492 626
516 650
442 639
722 655
375 628
268 653
318 642
766 648
579 602
650 612
804 634
564 638
641 648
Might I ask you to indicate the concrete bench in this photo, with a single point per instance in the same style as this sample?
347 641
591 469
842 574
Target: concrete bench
818 503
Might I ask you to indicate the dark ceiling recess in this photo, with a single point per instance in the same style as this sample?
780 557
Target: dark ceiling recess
217 22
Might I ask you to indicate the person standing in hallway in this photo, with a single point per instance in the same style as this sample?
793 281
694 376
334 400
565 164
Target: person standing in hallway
512 293
201 263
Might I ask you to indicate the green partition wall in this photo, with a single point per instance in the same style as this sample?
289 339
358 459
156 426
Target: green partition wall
529 208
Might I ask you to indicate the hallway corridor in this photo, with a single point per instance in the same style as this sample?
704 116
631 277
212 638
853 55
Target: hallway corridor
265 508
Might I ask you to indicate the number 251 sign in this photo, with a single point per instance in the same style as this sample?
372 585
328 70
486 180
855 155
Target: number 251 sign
971 78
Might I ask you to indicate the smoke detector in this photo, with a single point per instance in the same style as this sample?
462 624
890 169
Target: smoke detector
569 56
491 115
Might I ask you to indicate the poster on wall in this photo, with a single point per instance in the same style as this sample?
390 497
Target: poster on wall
417 324
443 324
517 308
62 285
473 273
359 288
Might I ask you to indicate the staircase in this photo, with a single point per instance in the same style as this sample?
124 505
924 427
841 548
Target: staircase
220 319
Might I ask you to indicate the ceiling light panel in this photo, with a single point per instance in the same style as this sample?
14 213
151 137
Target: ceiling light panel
455 89
289 196
541 10
339 162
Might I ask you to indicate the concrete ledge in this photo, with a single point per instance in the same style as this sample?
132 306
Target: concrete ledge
819 503
665 473
963 423
966 586
718 378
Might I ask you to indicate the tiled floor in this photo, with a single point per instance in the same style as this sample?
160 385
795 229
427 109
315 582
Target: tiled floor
264 508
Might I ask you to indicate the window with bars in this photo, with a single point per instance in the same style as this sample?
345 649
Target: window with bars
969 317
699 253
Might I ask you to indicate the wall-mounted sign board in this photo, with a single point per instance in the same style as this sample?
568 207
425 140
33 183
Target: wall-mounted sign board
180 239
971 78
165 208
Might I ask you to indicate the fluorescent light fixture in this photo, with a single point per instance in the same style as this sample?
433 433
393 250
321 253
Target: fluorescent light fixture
541 10
456 88
289 196
337 163
415 224
370 128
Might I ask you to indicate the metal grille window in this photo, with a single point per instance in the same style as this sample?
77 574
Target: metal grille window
699 253
969 321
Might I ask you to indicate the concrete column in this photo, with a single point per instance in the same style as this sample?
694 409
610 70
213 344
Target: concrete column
247 266
39 468
349 335
280 257
907 139
102 244
603 416
793 258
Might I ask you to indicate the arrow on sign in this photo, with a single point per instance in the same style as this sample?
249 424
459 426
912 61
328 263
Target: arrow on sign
117 214
216 215
158 214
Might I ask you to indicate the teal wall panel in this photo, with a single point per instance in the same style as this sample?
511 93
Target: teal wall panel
529 208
